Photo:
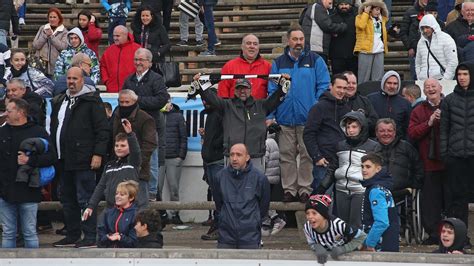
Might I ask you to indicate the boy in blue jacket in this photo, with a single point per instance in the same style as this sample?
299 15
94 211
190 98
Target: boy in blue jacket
117 11
379 215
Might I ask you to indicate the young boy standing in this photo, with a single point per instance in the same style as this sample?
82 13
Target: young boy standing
326 234
379 215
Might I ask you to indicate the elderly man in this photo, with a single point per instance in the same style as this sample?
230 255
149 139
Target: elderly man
16 89
462 28
244 118
82 61
116 64
249 62
310 78
242 197
80 132
424 129
457 141
389 104
76 45
20 199
358 102
152 96
400 158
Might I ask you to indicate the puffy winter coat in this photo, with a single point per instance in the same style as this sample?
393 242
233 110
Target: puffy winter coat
176 134
64 61
119 220
365 28
309 79
239 65
117 8
411 16
34 79
318 27
242 198
49 48
442 46
116 64
457 120
92 36
272 160
5 54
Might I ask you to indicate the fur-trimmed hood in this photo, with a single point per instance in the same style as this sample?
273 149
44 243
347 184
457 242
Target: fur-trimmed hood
378 3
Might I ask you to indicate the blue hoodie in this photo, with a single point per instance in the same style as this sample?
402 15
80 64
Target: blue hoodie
309 79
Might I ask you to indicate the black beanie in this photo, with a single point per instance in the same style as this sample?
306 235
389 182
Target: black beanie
431 6
344 2
320 203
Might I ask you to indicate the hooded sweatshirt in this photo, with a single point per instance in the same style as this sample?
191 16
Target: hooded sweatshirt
64 61
392 106
442 46
460 234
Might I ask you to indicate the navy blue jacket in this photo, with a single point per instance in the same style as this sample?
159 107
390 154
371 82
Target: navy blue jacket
176 134
322 131
242 198
122 221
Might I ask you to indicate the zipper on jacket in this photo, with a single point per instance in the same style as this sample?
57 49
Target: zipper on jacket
118 70
347 170
118 220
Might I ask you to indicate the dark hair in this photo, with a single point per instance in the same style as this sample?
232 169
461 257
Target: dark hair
156 20
294 28
21 105
351 120
15 51
338 76
121 137
107 106
462 67
151 218
58 12
386 121
373 157
88 14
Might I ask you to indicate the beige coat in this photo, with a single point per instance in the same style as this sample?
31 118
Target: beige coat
49 48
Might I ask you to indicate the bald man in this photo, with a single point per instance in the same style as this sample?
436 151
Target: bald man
242 197
80 134
116 64
424 128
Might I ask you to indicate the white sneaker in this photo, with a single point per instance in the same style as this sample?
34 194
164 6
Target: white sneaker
266 230
278 226
70 2
87 2
21 21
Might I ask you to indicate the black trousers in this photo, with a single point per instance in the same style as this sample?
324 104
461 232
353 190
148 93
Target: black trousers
434 201
339 65
461 180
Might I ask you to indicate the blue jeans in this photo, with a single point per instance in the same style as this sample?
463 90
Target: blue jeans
22 11
154 170
412 67
212 171
114 22
209 22
444 7
27 213
319 172
388 3
3 37
76 189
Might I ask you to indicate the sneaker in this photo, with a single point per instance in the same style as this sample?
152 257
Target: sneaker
278 226
212 234
218 42
176 220
304 197
287 197
21 21
151 196
207 53
66 242
86 244
266 230
87 2
182 43
200 43
208 222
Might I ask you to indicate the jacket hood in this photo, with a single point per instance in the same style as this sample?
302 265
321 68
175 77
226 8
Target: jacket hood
364 131
85 89
78 32
377 3
389 74
130 40
382 178
469 66
460 233
429 20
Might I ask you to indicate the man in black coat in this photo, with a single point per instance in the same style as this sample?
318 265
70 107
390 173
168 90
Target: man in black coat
463 26
457 140
341 50
19 199
16 89
152 96
80 132
7 14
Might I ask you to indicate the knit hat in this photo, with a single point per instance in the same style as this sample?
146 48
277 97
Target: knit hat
350 2
431 6
320 203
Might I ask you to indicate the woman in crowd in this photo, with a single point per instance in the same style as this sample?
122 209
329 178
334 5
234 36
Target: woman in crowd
33 78
148 31
50 40
90 30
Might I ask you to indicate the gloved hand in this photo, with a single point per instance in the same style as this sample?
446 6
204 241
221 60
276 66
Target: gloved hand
321 254
336 252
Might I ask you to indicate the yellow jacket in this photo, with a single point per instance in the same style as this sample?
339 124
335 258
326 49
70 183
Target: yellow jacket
365 33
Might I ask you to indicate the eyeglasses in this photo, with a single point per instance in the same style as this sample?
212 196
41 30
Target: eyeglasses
140 59
87 63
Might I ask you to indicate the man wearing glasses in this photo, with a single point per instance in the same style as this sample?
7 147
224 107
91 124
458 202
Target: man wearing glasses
81 61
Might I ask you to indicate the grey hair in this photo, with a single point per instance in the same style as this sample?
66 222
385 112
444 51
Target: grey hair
386 121
17 81
78 58
129 93
146 52
121 28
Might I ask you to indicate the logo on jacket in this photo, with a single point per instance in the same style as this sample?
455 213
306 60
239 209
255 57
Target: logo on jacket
306 65
374 202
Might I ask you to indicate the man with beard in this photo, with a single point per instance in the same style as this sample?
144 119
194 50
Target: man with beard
310 78
342 44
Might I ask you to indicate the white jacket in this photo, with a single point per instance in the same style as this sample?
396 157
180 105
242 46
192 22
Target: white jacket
442 46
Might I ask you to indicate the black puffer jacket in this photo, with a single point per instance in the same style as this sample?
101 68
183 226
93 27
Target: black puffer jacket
457 120
458 28
403 163
342 44
213 146
176 134
410 38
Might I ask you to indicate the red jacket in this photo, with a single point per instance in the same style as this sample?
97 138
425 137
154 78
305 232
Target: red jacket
92 37
420 131
240 66
117 64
